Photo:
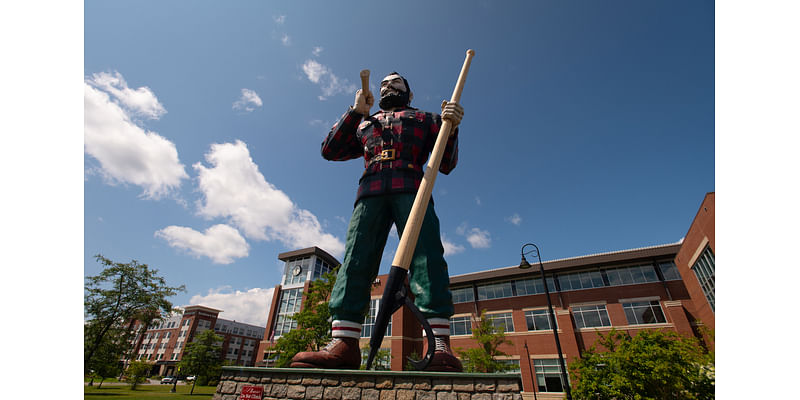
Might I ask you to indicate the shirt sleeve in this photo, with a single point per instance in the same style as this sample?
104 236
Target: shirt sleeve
342 143
450 157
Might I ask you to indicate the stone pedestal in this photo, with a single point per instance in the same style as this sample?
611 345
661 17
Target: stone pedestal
320 384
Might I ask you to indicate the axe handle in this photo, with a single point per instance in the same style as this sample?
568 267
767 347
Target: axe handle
364 80
408 242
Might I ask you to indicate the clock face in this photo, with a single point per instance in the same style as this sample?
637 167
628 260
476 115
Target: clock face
297 270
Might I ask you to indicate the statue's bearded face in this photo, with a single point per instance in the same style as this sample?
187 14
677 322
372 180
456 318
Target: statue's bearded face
394 92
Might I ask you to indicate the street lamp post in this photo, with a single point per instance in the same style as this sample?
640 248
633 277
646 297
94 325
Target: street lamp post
525 265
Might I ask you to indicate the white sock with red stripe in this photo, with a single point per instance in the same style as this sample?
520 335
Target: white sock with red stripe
348 329
440 326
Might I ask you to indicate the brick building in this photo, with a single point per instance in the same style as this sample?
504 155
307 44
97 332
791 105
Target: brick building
163 344
668 287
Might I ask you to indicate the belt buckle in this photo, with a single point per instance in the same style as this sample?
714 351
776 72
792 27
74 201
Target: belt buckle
387 155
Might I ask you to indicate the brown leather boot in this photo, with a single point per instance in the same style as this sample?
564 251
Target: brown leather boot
340 353
443 359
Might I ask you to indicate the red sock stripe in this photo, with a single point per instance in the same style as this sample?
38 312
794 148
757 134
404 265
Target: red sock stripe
346 328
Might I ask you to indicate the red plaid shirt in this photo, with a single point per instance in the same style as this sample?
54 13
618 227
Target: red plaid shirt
410 132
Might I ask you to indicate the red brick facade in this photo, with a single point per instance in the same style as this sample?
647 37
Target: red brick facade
164 343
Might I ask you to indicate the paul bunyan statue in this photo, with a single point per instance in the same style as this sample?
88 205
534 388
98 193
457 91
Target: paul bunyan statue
395 143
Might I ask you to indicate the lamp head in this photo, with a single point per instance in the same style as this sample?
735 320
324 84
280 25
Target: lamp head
524 263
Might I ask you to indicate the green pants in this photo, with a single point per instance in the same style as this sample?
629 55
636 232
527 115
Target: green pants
366 237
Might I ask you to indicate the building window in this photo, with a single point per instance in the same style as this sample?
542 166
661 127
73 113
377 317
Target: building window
369 320
644 312
461 325
591 316
669 271
526 287
502 320
297 270
289 305
631 275
704 271
495 291
538 320
462 295
320 268
581 280
548 375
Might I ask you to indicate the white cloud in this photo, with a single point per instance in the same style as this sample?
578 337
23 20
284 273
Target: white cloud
221 243
314 70
326 79
279 19
248 101
451 248
126 151
139 101
477 238
249 306
514 219
286 40
317 51
477 200
234 188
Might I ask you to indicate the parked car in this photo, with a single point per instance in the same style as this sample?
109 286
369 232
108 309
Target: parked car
190 378
168 380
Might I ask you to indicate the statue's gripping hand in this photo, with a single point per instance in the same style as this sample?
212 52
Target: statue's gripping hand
453 112
363 102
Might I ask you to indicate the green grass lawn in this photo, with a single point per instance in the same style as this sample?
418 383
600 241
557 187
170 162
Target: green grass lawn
111 392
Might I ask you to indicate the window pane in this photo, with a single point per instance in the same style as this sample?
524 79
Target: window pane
613 277
460 326
494 291
638 276
548 375
462 295
669 271
586 280
649 273
704 270
537 320
503 320
644 312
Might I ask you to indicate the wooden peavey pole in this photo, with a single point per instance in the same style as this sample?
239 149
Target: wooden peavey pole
394 293
408 242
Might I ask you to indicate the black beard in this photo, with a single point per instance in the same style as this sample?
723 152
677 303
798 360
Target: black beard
394 100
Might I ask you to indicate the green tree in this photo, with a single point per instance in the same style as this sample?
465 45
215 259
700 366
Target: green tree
106 360
313 322
120 294
651 365
484 357
137 372
203 357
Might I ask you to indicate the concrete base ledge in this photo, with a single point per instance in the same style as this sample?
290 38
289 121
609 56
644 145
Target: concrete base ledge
322 384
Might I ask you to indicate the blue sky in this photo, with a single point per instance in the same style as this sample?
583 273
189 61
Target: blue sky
588 127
